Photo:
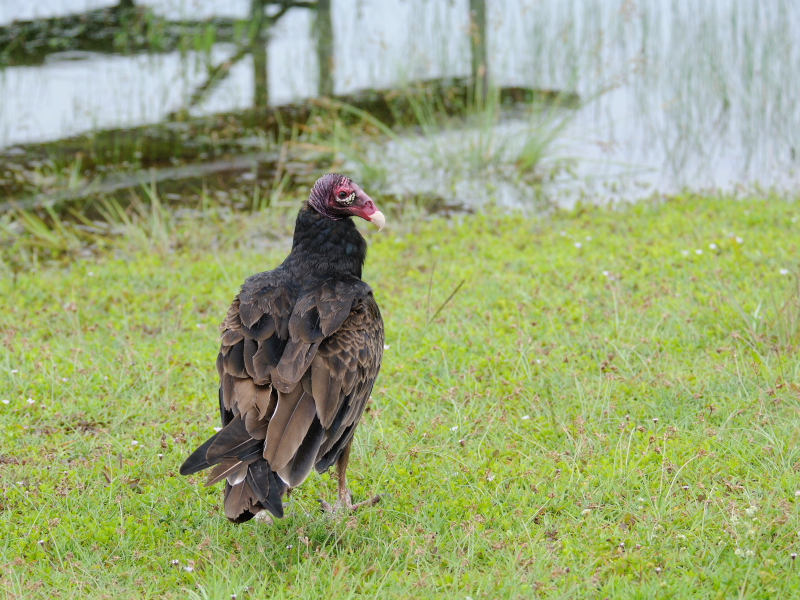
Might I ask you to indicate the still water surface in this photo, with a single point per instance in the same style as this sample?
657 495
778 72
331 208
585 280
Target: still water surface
678 93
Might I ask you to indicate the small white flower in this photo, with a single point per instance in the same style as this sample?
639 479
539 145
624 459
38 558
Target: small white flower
31 400
174 561
640 499
538 361
698 251
454 428
386 346
490 477
105 378
750 511
713 246
578 245
199 325
586 511
784 271
134 443
15 370
64 379
90 273
685 252
5 401
739 240
525 417
606 273
797 494
188 569
563 233
588 238
217 429
160 456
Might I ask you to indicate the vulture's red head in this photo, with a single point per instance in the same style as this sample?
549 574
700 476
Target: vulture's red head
338 197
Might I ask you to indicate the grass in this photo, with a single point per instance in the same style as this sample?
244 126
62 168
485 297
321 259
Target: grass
599 411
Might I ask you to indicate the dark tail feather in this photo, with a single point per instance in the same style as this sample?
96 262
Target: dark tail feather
197 460
299 468
252 453
267 486
261 488
231 441
224 470
240 503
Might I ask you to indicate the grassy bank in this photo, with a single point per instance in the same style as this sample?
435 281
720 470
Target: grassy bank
607 407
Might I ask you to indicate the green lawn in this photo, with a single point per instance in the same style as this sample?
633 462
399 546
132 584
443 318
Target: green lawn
601 410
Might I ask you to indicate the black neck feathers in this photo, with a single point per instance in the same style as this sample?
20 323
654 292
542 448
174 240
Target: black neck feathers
327 247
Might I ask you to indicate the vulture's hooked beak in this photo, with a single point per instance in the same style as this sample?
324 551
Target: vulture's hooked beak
378 219
368 211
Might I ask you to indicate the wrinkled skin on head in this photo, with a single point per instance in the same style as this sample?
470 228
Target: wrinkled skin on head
338 197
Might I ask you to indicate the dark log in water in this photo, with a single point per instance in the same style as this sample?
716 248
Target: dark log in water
202 137
125 181
226 142
120 28
123 28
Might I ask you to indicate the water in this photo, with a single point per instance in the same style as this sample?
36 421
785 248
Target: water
680 94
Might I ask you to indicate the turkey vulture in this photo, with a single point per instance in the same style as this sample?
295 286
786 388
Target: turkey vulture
301 348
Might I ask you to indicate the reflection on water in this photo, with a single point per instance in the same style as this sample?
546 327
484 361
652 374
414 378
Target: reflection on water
680 93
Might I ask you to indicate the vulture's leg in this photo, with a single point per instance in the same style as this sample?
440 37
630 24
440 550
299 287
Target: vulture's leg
345 496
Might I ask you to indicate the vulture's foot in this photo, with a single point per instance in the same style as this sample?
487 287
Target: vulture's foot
264 517
345 503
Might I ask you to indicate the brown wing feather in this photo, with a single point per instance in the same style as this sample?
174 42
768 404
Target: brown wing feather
288 426
354 371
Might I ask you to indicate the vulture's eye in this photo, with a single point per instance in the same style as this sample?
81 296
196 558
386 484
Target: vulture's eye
342 195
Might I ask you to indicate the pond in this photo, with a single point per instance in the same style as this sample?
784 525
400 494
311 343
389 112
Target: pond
675 94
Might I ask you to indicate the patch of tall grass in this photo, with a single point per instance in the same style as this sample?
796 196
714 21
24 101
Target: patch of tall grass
437 151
